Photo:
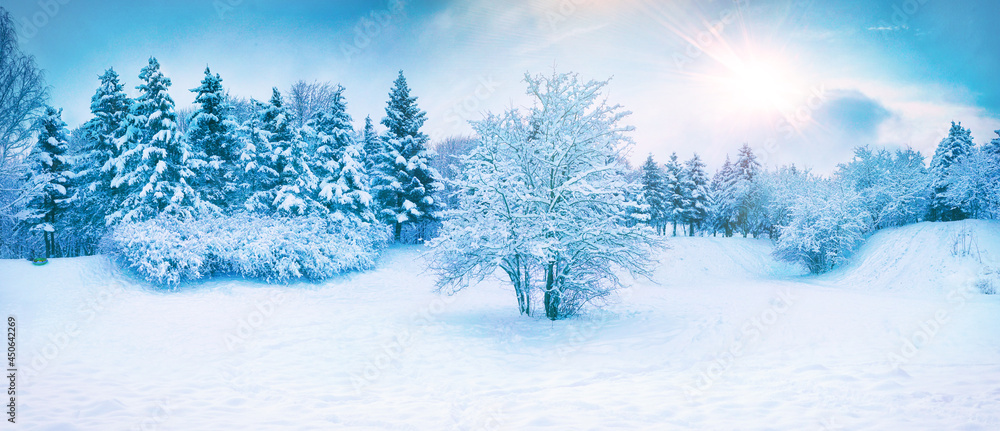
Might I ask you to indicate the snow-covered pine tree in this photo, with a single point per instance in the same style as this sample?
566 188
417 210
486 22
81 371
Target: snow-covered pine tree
542 199
405 184
94 198
152 170
724 199
257 179
296 183
696 194
674 191
653 195
339 162
50 176
952 149
373 146
402 115
748 204
746 166
213 140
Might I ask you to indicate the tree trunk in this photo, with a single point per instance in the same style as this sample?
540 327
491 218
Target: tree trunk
675 227
520 276
526 292
49 236
398 231
551 294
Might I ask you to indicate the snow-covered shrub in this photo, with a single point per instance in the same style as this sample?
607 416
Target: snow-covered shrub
161 250
826 225
988 281
894 187
167 251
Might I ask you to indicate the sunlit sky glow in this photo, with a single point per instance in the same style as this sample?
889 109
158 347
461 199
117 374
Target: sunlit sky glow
801 81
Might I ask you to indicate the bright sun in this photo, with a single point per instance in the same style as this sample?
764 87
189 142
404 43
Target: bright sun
758 86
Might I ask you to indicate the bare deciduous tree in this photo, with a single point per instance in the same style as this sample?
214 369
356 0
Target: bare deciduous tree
305 99
449 153
22 95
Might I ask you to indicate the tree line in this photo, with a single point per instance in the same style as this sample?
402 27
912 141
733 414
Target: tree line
132 163
820 220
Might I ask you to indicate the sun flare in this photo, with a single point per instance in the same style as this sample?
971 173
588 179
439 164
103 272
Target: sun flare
758 85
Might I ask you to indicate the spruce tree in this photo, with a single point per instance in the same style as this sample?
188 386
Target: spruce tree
402 115
404 181
696 194
724 198
213 140
339 162
373 146
257 177
952 149
653 190
95 164
745 189
747 166
153 167
674 191
289 158
50 176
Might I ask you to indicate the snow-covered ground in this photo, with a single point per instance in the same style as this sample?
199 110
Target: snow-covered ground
726 338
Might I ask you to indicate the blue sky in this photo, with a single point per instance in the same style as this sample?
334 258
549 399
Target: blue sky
801 81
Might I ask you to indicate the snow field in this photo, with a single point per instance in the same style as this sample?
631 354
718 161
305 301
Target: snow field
723 338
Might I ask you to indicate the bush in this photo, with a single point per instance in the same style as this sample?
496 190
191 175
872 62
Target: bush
168 251
988 281
826 225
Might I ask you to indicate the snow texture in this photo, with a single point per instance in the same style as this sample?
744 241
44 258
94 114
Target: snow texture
725 337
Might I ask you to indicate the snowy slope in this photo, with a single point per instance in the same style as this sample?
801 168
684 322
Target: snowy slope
723 338
925 257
